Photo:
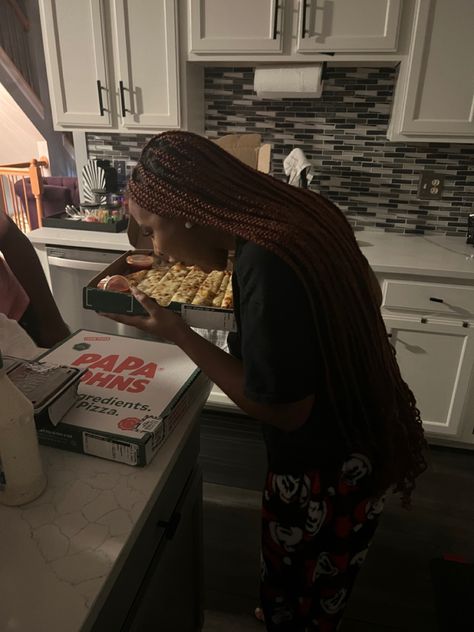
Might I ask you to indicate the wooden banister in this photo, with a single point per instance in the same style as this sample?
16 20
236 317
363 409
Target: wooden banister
37 189
12 174
42 162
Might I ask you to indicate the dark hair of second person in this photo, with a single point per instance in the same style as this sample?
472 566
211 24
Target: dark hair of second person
184 175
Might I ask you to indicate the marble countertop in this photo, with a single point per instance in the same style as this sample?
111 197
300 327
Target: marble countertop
60 554
424 255
80 238
430 255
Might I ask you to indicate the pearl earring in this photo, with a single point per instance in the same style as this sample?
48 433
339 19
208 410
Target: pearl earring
188 225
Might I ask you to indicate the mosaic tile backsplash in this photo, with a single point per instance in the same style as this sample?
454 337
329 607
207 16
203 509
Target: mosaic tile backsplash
343 134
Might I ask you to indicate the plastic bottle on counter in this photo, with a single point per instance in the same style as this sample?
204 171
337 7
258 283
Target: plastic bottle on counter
22 478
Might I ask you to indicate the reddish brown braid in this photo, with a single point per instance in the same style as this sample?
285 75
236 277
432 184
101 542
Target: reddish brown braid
185 175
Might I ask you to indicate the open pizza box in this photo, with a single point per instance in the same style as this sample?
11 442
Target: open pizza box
99 300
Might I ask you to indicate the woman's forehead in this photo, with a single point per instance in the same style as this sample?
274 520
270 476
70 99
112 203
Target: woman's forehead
139 213
146 219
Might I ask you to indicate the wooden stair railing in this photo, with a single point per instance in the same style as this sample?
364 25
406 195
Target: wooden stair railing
10 203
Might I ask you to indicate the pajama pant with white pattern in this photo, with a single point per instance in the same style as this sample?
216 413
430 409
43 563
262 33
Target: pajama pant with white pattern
316 530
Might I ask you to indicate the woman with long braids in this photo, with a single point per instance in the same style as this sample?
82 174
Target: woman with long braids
310 360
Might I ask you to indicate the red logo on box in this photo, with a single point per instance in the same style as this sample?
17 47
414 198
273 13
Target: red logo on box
129 423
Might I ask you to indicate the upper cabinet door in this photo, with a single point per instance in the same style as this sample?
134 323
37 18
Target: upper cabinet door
146 63
236 26
348 25
437 82
75 52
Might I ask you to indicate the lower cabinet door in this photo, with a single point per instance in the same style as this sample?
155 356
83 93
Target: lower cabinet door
436 360
170 596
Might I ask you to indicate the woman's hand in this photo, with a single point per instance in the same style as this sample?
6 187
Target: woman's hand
159 321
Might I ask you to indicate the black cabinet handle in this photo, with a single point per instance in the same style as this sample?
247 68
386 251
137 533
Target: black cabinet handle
275 21
436 300
170 525
101 103
122 99
303 21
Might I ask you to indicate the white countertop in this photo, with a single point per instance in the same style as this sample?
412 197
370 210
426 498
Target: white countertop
80 238
60 554
430 255
426 255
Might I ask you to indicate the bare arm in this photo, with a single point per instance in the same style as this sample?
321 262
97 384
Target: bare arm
228 373
47 325
223 369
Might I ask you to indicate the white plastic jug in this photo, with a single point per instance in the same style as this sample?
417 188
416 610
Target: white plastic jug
22 478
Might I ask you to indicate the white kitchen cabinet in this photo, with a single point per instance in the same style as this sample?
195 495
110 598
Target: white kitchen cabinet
226 26
112 64
77 63
436 360
146 61
291 30
434 98
431 324
348 25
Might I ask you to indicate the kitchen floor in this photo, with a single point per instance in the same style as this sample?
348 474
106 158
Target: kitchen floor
394 592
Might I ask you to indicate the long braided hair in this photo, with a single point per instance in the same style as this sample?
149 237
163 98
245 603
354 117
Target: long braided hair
184 175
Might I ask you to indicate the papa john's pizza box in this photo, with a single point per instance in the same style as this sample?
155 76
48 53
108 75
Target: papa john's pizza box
125 303
132 395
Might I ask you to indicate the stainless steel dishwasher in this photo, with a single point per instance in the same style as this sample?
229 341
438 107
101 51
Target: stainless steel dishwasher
71 269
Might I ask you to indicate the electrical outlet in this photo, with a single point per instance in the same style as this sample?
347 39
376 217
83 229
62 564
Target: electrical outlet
431 186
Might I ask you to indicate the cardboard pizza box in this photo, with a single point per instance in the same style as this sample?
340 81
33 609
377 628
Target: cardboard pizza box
248 148
130 399
199 316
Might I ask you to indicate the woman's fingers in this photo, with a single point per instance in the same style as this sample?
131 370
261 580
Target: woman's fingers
140 321
148 303
158 320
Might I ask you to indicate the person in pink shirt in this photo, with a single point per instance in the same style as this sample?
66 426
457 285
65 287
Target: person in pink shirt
13 298
24 292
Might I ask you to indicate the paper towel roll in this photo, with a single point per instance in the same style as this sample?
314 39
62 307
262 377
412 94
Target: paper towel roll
293 81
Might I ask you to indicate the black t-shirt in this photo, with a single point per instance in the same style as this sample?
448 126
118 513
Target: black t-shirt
277 341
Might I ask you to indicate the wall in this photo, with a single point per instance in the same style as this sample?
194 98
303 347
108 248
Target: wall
61 158
373 180
19 136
